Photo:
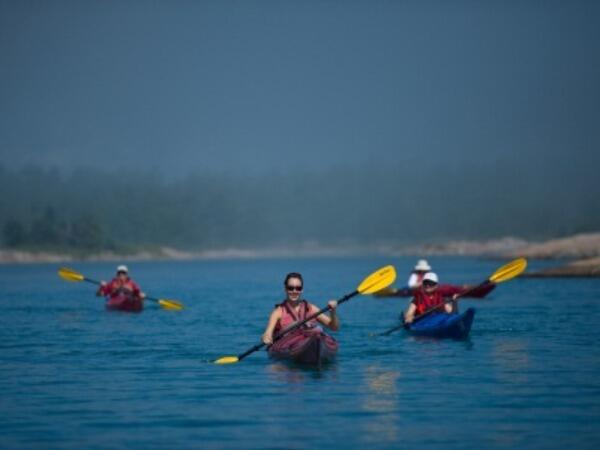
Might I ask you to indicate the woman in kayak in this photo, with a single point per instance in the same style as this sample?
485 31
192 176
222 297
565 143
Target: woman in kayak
426 298
294 309
121 286
416 276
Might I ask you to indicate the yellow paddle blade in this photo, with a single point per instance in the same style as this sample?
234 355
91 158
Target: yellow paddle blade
69 274
227 360
170 304
378 280
509 271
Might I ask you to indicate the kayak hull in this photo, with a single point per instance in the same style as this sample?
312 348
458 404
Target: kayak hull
447 290
305 346
442 326
125 303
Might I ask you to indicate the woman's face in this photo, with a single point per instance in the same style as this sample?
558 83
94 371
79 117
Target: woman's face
122 276
293 289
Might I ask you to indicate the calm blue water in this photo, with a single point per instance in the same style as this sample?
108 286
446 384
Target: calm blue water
73 375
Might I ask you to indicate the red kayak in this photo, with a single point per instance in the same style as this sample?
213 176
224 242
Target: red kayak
123 302
447 290
305 346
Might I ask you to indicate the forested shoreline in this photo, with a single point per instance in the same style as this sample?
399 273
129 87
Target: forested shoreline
122 209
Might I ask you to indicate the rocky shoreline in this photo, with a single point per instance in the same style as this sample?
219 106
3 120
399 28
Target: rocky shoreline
584 268
171 254
582 249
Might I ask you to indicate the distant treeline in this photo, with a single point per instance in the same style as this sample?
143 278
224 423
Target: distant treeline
116 207
49 232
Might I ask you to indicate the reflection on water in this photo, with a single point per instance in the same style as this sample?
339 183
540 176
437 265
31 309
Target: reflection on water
297 374
467 343
381 397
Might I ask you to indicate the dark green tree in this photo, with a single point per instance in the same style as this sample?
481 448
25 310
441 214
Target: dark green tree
47 230
15 234
87 234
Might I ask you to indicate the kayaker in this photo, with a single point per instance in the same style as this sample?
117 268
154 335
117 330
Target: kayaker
294 309
121 285
426 298
416 276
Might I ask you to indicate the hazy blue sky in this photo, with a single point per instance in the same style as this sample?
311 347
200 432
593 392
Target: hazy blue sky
276 85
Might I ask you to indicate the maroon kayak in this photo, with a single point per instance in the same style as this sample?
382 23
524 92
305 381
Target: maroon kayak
305 346
123 302
447 290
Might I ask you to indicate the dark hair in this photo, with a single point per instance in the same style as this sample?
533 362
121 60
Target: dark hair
293 275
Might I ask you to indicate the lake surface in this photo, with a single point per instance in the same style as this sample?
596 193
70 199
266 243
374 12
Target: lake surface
73 375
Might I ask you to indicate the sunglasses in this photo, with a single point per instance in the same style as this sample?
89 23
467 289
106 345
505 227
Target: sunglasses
294 288
429 283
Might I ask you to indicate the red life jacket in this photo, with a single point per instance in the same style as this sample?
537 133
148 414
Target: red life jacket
424 302
115 288
289 316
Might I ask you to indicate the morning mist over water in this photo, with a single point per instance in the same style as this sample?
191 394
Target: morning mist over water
227 124
353 205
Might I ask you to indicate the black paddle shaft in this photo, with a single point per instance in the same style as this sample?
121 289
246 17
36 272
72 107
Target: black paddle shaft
89 280
297 325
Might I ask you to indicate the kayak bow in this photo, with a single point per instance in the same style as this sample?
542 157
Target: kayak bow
442 325
309 346
125 303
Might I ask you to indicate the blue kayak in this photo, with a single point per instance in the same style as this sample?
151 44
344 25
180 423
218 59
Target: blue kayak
454 326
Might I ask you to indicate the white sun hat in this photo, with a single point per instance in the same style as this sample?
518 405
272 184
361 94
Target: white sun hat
423 265
122 268
431 276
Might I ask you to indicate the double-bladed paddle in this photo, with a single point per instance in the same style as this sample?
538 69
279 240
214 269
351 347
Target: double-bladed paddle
506 272
71 275
373 283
